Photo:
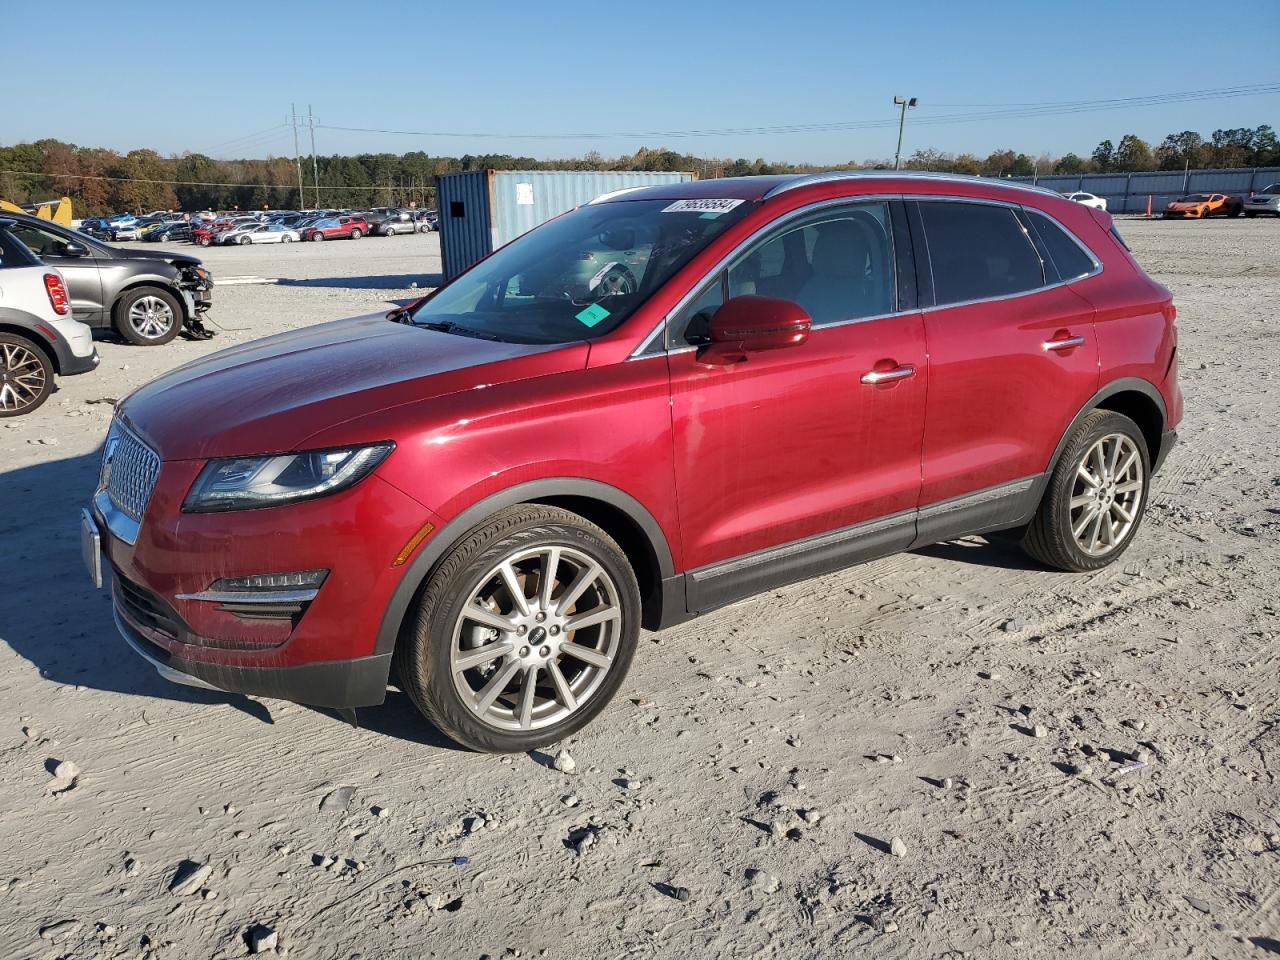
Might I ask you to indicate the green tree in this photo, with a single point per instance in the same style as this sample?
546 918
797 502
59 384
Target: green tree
1071 163
1103 156
1133 153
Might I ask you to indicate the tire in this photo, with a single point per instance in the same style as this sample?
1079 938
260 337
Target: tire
148 316
356 234
204 241
26 375
317 237
286 239
244 240
568 692
1061 537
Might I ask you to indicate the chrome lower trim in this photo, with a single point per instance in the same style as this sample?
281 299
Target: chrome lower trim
166 671
251 596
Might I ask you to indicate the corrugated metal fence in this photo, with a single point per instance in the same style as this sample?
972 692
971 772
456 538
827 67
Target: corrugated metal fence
1128 192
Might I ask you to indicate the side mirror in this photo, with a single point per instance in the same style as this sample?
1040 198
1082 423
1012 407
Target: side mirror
73 249
748 324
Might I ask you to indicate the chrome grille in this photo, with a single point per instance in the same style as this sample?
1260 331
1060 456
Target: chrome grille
129 471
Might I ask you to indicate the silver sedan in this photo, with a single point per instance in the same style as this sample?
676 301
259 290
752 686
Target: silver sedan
259 233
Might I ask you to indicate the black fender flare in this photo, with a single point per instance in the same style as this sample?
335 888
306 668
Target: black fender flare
442 540
1123 385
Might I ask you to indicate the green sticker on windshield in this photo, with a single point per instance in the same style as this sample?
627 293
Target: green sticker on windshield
591 315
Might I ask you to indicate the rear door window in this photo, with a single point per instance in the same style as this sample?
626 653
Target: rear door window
978 251
1071 261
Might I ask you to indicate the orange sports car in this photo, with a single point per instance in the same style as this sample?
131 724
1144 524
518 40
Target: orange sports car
1197 206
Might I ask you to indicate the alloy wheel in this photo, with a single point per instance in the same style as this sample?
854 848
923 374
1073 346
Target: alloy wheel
22 377
150 317
1106 496
536 638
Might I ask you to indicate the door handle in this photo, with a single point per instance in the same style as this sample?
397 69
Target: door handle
885 376
1067 343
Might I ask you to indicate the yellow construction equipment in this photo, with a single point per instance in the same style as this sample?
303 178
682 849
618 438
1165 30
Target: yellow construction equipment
59 211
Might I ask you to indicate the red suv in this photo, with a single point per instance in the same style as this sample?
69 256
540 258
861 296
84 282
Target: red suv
647 408
333 228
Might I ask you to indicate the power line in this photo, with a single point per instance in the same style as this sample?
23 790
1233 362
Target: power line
1001 112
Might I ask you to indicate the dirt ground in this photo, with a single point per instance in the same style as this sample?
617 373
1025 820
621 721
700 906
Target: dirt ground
741 797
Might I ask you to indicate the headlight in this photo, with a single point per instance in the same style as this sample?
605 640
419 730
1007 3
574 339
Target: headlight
243 483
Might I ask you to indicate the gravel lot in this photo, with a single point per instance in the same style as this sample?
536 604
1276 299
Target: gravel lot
980 711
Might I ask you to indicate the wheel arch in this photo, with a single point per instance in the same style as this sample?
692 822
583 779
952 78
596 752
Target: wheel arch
26 333
619 514
1135 398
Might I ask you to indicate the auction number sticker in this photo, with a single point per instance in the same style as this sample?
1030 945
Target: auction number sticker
704 206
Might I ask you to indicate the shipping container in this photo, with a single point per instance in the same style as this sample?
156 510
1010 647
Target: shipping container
480 210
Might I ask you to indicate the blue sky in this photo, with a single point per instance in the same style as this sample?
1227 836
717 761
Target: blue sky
228 71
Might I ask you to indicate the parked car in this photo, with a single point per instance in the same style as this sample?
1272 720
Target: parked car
754 413
1088 199
175 230
1202 205
391 224
258 233
202 236
1265 201
332 228
427 221
39 338
152 230
147 296
97 227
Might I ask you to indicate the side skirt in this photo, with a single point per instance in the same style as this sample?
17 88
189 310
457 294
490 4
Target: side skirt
708 588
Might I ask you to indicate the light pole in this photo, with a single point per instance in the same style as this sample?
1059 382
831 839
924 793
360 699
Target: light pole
902 121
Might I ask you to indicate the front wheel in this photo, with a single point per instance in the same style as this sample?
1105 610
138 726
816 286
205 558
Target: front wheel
26 375
286 239
317 236
356 234
148 316
243 240
1096 496
524 632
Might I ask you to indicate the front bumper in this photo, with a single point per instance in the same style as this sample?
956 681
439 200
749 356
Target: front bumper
325 652
361 682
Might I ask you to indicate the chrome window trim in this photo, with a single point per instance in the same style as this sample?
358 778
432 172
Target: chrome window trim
639 352
1097 264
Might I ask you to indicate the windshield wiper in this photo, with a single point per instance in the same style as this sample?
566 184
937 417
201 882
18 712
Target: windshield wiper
445 326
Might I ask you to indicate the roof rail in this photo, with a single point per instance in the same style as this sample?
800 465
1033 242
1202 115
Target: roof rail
830 176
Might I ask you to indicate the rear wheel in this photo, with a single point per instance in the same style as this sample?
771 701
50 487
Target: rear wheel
524 631
26 375
148 316
1096 496
356 234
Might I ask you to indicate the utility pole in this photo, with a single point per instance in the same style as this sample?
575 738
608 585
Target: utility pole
297 155
902 122
315 168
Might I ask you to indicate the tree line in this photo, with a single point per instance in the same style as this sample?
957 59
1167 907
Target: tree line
101 181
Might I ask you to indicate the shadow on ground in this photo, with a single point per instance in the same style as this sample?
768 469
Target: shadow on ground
388 281
51 615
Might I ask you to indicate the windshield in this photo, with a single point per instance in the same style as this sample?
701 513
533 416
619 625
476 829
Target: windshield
1195 198
582 274
1271 188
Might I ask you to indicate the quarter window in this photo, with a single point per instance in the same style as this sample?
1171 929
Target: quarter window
978 251
1072 262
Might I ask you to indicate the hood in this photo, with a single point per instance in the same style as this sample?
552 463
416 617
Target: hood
270 395
177 259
